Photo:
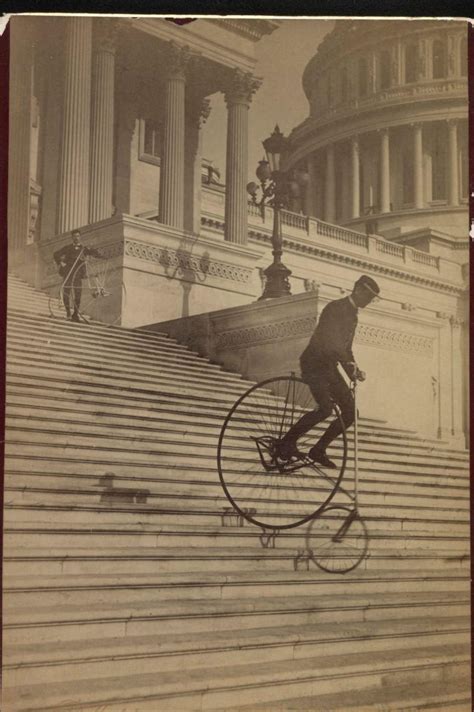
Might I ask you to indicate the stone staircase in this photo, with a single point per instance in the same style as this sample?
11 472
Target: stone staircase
125 587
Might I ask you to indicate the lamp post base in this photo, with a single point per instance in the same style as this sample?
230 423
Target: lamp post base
277 284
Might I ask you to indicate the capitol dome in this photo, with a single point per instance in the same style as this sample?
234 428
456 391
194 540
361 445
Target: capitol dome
386 139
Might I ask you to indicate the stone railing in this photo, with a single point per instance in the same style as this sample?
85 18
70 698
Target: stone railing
393 95
341 233
322 235
425 259
390 248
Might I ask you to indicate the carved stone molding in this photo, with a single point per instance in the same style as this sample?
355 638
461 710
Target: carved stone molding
240 87
374 335
394 340
456 321
240 338
408 307
310 285
443 315
182 262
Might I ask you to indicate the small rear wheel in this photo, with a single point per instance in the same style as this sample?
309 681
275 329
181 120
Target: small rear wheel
337 539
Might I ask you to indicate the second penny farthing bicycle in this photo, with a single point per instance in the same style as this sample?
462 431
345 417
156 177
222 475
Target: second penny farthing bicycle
276 493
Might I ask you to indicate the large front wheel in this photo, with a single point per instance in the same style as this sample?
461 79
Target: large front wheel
261 483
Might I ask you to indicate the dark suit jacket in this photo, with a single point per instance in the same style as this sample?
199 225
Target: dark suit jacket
332 339
73 257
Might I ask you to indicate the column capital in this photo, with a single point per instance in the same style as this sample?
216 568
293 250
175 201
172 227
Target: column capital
106 33
452 122
198 109
177 61
241 87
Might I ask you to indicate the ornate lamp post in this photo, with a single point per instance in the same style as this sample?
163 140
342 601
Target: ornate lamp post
276 187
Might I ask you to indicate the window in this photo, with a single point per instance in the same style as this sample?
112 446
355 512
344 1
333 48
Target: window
384 69
439 59
363 77
150 141
410 63
439 163
463 57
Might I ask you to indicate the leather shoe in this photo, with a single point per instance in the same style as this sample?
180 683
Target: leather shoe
320 457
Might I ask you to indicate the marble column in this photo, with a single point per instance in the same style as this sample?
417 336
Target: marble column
330 195
19 133
238 96
102 125
453 164
171 207
198 109
73 201
384 171
418 165
355 163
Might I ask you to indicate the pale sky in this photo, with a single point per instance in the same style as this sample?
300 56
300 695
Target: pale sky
282 57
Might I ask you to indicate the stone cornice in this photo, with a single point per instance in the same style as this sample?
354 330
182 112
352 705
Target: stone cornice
391 339
358 261
251 29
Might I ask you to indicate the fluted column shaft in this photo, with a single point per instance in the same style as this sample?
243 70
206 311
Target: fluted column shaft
330 197
171 208
453 166
73 202
102 127
384 171
19 135
418 165
355 163
238 97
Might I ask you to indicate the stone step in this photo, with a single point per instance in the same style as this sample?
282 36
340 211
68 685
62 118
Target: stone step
22 405
57 386
84 424
215 502
203 616
176 368
172 382
55 343
195 538
217 586
390 478
260 681
110 452
55 561
188 487
214 499
404 696
134 404
129 513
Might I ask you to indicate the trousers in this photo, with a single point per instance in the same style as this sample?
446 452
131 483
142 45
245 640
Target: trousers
327 386
72 290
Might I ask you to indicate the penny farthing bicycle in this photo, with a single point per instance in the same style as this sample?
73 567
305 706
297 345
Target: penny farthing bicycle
102 297
276 493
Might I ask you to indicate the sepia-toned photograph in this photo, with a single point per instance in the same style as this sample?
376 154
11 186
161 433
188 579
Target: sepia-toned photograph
237 368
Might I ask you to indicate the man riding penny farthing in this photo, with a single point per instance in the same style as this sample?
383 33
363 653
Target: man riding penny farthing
286 476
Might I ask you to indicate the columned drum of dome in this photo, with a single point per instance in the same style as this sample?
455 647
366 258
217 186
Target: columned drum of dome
385 132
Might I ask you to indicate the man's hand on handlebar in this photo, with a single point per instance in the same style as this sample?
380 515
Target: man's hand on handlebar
354 372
